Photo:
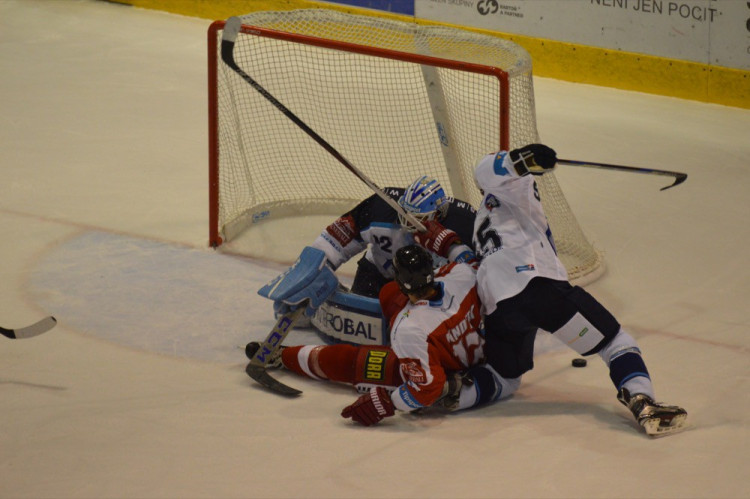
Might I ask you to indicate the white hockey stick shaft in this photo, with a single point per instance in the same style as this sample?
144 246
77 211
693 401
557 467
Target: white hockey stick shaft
35 329
231 29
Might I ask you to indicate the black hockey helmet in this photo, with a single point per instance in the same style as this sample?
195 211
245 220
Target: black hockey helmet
413 268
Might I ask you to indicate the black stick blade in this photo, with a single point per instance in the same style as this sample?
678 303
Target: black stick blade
35 329
679 178
260 374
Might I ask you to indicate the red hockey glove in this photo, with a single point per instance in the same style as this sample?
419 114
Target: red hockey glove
371 407
436 238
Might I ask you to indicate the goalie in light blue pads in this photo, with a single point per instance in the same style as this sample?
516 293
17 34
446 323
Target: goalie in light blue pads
374 231
310 278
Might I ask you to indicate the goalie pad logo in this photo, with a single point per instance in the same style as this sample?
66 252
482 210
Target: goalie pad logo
352 319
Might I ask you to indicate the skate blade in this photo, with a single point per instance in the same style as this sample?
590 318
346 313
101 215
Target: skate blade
658 428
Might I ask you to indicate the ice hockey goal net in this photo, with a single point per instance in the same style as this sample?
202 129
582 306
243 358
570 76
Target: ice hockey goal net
397 99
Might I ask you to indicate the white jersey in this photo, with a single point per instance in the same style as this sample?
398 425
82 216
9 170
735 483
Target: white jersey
432 337
511 233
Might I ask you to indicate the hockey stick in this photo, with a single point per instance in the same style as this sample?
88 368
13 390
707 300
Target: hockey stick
679 177
231 30
35 329
256 368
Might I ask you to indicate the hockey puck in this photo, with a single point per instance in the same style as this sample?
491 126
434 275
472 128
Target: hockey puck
579 362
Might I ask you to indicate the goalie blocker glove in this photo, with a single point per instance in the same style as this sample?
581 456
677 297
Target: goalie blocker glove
533 158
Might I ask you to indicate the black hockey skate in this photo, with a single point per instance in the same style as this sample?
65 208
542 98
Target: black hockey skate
657 419
274 361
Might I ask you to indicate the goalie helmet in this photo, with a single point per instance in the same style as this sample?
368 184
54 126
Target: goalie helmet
425 199
413 268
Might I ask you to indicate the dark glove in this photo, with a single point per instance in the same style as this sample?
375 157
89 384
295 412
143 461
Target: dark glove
436 238
371 407
454 382
533 158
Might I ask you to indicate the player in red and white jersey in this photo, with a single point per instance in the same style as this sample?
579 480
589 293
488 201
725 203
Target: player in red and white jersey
434 336
438 330
436 357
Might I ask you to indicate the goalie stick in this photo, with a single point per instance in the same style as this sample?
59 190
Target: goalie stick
35 329
231 30
256 368
679 177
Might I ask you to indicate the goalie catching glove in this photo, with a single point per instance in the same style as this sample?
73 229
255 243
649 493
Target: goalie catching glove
533 158
370 408
310 278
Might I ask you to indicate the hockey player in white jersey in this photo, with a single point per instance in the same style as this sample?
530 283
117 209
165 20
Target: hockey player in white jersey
524 287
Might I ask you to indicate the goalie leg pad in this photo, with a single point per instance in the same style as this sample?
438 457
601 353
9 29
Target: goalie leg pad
351 318
302 274
310 278
323 286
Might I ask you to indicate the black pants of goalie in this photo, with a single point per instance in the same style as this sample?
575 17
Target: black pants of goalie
368 280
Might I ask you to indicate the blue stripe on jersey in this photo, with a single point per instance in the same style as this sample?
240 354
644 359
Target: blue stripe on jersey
438 301
497 166
551 239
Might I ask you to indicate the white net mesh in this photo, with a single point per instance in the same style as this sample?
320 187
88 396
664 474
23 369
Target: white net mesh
394 120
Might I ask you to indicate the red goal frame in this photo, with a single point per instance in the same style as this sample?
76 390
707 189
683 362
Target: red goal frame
215 239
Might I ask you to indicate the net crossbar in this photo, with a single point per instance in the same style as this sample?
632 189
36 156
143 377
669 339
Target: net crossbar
397 99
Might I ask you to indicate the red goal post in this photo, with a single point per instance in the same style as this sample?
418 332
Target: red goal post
397 99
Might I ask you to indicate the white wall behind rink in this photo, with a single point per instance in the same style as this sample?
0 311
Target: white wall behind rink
713 32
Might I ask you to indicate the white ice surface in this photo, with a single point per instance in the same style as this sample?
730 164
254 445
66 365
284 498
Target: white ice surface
140 390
